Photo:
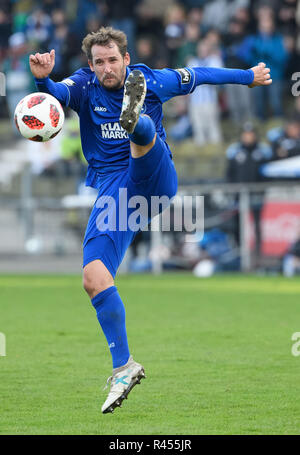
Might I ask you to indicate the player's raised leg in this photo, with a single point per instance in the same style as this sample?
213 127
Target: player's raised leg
149 153
141 128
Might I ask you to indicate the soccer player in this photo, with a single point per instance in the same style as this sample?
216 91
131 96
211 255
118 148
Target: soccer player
123 140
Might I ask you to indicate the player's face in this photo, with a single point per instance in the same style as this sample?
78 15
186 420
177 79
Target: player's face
109 65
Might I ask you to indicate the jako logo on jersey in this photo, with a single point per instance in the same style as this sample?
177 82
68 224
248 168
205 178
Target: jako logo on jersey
113 131
100 109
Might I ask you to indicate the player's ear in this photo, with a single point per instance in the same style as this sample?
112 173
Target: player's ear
127 59
91 65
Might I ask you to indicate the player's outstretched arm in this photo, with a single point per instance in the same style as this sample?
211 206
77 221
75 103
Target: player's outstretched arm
41 65
182 81
261 75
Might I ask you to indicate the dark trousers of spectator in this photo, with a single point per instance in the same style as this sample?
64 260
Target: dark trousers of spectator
239 99
256 212
270 96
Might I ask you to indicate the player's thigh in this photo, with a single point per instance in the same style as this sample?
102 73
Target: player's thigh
102 256
153 174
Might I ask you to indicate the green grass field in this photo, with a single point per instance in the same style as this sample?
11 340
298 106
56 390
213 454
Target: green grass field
217 354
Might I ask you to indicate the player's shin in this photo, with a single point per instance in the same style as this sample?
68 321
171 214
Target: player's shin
111 316
144 131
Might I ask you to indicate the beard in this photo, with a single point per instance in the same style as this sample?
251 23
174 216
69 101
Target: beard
112 86
115 83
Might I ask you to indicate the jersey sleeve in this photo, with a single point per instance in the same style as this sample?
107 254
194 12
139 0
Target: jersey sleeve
168 83
219 76
69 91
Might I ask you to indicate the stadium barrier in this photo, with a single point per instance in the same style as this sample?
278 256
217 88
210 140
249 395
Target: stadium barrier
44 225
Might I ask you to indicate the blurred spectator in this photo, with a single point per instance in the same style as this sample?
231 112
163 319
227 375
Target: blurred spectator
267 46
73 161
58 17
214 39
192 4
5 31
238 96
244 159
291 260
19 82
44 156
246 156
217 254
20 11
217 13
203 102
287 17
61 156
78 61
296 111
92 24
242 15
145 51
85 9
286 143
195 16
293 62
174 31
121 14
264 8
297 16
189 47
182 129
66 45
62 45
38 28
49 6
149 22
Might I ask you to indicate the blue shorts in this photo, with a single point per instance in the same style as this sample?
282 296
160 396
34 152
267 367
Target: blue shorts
113 222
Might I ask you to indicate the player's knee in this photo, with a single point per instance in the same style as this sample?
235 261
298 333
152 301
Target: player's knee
93 283
138 151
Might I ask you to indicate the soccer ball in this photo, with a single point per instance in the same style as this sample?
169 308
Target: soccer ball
39 117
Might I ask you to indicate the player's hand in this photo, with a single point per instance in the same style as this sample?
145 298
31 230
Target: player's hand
41 65
261 75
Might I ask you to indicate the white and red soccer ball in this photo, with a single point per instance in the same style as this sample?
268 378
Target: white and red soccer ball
39 117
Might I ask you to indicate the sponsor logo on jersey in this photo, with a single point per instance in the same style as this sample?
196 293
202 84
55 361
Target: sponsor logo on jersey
68 82
100 109
113 130
185 75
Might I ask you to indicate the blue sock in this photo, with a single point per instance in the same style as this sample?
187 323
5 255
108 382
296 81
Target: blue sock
144 131
111 316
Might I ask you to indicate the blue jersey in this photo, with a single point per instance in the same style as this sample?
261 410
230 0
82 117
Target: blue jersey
105 143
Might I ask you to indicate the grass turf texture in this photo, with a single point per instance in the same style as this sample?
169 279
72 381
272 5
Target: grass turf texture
217 354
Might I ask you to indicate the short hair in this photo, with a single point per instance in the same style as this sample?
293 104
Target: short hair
103 37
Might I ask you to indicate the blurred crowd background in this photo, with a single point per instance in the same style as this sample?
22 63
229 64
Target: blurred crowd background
225 134
220 33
